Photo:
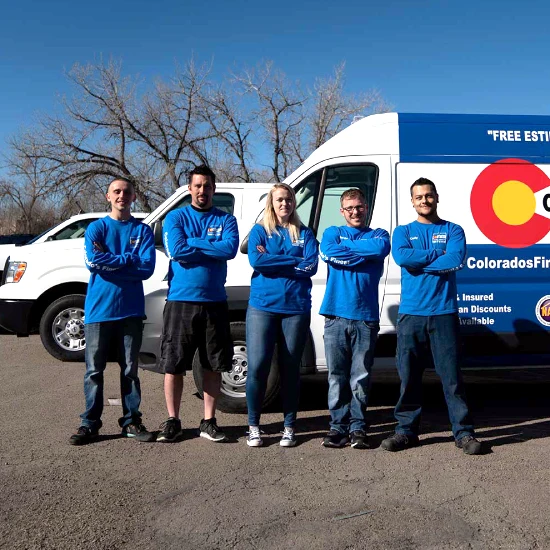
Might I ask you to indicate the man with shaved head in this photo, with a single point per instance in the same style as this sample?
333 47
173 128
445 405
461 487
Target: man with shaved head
120 254
429 251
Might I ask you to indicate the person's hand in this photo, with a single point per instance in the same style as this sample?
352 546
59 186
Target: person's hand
261 249
98 247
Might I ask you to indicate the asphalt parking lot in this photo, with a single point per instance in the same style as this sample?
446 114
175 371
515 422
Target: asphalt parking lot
118 493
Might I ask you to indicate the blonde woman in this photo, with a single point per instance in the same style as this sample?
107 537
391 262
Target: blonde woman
284 255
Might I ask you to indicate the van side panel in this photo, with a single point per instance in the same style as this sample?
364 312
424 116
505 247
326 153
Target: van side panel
503 292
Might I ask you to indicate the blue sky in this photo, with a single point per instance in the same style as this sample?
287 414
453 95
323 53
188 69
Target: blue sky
423 56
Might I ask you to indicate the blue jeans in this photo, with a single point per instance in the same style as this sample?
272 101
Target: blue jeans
264 330
421 342
349 349
126 334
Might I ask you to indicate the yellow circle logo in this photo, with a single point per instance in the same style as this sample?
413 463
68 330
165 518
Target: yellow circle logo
514 202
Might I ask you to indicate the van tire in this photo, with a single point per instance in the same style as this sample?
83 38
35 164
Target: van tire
62 328
233 397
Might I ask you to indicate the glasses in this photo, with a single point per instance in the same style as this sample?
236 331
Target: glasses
359 208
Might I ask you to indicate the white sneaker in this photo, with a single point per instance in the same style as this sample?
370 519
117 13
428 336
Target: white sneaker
254 438
288 439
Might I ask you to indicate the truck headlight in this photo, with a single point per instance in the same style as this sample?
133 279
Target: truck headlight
15 271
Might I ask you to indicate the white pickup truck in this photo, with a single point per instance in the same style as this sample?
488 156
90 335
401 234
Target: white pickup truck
50 252
493 177
72 228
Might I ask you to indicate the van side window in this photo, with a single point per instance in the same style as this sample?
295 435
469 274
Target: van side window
306 195
337 179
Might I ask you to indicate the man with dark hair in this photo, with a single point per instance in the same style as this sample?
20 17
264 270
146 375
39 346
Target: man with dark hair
120 254
430 251
199 240
201 170
355 256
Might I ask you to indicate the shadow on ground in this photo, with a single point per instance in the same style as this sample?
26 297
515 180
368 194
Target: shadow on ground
508 407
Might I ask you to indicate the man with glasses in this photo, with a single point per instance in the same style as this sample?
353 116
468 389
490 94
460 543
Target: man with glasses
355 257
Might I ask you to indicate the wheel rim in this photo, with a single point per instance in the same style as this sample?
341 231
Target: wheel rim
68 329
234 382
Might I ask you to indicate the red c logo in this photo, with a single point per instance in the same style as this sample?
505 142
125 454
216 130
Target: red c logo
503 203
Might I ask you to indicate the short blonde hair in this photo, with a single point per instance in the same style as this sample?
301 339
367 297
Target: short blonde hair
269 221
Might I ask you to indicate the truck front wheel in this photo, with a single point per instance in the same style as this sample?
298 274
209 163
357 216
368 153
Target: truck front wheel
62 328
233 388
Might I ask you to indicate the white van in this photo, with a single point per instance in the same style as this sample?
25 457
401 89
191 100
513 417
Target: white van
493 178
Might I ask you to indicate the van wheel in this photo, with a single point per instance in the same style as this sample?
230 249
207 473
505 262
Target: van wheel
62 328
233 389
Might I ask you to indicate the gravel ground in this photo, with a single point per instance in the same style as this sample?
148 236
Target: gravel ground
118 493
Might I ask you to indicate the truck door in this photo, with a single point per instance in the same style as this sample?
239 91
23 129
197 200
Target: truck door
318 204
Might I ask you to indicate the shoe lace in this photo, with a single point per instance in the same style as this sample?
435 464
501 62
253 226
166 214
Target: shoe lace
288 433
167 425
254 432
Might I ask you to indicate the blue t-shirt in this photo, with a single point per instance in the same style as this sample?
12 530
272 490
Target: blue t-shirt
281 282
120 255
199 243
355 258
429 255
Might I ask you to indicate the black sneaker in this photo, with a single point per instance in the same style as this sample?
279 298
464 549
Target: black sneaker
83 436
470 445
359 439
400 442
209 430
138 432
335 439
170 430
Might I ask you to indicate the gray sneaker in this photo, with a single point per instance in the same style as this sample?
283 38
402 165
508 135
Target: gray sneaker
254 438
289 437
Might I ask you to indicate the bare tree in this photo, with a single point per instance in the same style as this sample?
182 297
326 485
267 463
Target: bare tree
233 129
330 109
279 112
115 126
110 130
30 186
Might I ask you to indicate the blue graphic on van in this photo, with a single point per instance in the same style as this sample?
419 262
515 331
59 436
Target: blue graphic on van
502 288
473 138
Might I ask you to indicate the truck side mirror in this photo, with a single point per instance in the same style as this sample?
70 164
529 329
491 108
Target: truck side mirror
157 232
244 245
